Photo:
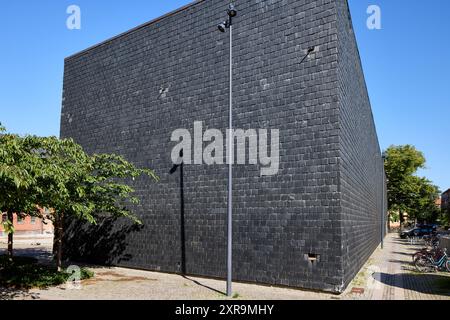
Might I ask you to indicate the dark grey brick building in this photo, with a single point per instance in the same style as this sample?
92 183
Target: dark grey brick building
128 94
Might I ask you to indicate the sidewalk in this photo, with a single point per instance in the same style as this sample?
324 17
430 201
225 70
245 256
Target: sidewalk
388 275
28 239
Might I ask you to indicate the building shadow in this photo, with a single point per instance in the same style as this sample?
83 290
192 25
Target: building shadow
180 169
182 267
203 285
436 284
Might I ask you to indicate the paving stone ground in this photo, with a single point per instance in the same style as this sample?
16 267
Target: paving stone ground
388 275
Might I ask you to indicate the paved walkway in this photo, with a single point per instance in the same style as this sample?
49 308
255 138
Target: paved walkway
388 275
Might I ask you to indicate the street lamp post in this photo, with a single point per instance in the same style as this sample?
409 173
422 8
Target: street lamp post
228 24
383 211
383 226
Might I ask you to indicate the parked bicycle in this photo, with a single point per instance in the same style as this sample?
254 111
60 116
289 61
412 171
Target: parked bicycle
436 252
435 260
432 240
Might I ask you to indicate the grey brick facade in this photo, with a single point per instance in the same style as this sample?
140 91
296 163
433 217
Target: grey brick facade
127 95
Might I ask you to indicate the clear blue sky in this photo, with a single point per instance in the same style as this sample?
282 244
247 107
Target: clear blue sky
406 65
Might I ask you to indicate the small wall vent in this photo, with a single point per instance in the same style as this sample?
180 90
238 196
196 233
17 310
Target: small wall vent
312 258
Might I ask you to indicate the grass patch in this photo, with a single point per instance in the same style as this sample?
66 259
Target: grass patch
27 273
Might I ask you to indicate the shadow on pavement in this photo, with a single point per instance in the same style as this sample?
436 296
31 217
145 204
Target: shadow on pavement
11 294
404 253
204 286
423 283
403 262
42 254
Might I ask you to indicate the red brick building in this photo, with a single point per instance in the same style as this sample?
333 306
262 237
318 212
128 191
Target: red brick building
28 225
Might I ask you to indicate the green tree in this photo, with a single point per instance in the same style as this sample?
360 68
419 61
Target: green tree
406 191
18 176
38 172
422 204
79 186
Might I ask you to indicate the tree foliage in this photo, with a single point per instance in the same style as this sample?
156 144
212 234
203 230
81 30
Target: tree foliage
19 185
81 186
422 204
84 186
18 174
47 172
406 191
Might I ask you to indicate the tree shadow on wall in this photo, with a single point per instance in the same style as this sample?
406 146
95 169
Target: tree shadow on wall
103 244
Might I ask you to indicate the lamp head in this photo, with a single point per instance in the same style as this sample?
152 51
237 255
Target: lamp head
232 12
222 26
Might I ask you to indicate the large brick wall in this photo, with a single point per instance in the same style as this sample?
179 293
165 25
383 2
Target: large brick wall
361 172
129 94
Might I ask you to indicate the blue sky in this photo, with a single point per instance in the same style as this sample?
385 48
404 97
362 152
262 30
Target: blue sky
406 64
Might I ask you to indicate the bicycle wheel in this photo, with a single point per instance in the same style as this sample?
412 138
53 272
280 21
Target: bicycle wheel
447 265
422 263
417 255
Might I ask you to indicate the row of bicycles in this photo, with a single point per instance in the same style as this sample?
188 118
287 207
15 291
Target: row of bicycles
432 258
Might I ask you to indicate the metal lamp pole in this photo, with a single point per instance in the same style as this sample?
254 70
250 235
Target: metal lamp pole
383 189
232 12
382 214
230 176
383 205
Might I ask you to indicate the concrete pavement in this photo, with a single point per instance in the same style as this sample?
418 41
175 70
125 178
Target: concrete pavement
388 275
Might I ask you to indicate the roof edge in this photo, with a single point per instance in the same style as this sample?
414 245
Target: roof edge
171 13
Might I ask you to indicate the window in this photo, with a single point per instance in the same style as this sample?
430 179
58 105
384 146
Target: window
33 220
20 220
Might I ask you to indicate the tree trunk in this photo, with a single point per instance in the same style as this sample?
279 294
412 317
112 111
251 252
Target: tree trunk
400 214
10 238
55 239
59 244
389 222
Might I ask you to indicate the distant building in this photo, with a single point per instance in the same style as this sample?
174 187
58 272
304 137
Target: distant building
445 200
438 202
28 225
